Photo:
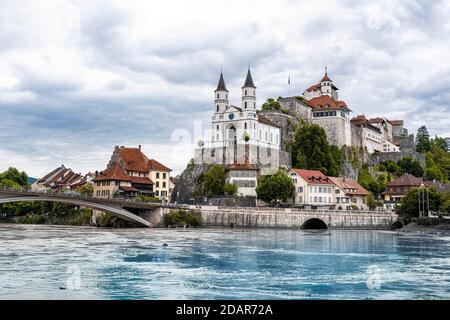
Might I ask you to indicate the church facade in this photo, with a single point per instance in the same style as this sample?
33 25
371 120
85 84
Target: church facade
241 139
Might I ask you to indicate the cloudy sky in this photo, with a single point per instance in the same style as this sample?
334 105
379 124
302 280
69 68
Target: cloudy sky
79 77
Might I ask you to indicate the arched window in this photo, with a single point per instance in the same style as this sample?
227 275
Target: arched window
245 125
217 127
245 92
218 96
217 108
245 104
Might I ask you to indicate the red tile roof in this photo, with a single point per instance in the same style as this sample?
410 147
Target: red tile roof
359 120
313 176
141 180
115 172
349 186
128 189
406 180
325 102
134 159
326 78
155 165
44 178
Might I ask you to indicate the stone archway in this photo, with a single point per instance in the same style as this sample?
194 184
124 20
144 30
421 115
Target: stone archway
314 223
396 225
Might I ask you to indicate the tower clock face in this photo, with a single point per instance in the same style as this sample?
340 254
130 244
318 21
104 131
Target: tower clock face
231 116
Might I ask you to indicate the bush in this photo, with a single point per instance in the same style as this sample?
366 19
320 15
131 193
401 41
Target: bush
32 219
107 220
230 189
426 221
182 218
143 198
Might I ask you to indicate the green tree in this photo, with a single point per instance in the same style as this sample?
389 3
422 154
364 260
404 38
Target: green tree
13 175
376 186
441 159
432 172
273 105
439 143
86 189
411 166
410 202
311 150
372 203
445 203
230 189
214 181
391 167
275 188
423 143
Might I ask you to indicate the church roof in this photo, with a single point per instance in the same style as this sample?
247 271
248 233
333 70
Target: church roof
221 85
249 80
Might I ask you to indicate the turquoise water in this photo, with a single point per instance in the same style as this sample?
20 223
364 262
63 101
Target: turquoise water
51 262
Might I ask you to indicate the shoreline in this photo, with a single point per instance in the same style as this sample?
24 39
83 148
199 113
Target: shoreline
440 229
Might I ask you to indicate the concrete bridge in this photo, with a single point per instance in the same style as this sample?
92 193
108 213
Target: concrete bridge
140 213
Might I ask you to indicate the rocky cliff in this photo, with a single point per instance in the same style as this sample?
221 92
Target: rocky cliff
185 187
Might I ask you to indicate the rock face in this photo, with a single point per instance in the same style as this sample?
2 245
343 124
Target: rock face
183 191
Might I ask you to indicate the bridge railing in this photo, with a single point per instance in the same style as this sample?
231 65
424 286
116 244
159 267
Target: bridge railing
75 195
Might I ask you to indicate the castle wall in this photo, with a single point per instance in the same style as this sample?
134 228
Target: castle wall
334 128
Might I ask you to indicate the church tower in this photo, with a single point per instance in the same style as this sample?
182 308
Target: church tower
221 96
249 93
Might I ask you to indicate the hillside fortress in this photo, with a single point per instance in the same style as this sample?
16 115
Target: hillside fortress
251 142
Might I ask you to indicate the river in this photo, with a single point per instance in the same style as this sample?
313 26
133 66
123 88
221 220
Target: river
57 262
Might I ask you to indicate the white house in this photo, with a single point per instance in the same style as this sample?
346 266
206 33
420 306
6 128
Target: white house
313 189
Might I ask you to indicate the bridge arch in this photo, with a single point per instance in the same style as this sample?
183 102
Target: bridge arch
314 223
396 225
116 211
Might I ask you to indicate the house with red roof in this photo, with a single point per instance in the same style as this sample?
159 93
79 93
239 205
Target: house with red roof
130 173
61 178
398 188
349 194
313 189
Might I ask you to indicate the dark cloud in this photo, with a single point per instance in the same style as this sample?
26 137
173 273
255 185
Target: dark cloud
75 84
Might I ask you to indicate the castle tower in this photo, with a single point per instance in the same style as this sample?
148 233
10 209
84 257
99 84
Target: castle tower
221 96
327 86
249 93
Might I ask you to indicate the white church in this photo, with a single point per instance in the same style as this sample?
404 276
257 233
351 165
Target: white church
247 143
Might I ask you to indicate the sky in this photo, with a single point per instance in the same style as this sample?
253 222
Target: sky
80 77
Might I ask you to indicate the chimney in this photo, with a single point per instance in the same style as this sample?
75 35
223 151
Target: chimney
139 147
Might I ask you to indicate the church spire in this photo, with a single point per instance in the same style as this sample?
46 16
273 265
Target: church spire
249 80
221 85
325 77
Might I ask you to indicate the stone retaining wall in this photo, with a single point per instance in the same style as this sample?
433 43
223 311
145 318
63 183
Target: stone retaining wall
290 218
